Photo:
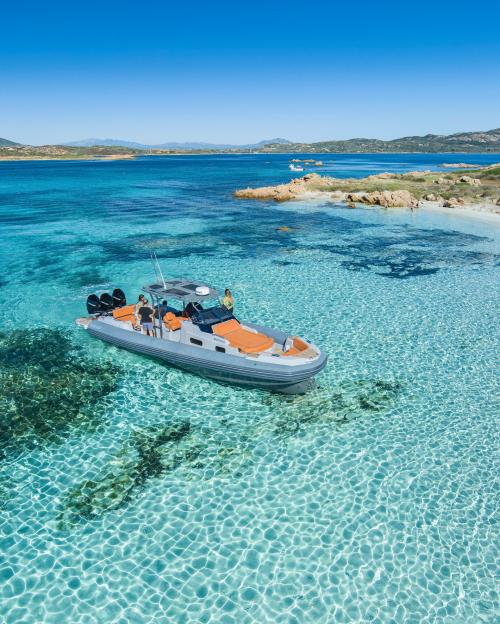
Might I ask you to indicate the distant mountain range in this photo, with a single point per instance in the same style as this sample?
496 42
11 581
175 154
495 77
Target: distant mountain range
472 142
488 141
173 145
7 143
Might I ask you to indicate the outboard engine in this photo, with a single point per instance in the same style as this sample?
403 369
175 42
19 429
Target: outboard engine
119 299
106 301
93 304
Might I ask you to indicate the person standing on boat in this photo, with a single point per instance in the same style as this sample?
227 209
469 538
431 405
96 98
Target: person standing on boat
146 314
138 305
228 300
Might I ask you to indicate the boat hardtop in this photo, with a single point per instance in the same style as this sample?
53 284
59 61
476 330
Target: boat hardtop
193 330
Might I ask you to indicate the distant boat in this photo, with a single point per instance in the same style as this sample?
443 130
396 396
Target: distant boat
293 167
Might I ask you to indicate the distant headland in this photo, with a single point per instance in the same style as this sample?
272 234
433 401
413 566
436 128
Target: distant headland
464 142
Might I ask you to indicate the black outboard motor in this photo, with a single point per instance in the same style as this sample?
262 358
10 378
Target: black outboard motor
93 304
119 298
106 302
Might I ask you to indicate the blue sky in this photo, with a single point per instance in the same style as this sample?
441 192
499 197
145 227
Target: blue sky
243 71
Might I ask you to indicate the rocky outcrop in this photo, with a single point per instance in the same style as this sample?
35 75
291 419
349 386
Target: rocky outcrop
387 199
382 176
391 190
452 202
459 166
285 192
468 180
416 174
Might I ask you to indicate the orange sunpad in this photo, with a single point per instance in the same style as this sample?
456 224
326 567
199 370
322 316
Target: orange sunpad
242 339
222 329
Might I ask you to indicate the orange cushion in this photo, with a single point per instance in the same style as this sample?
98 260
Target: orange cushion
125 313
171 321
298 346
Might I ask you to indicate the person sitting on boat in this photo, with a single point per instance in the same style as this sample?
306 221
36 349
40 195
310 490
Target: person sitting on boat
228 300
163 308
146 315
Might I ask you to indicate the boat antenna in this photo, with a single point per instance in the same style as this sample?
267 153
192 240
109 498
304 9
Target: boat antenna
157 268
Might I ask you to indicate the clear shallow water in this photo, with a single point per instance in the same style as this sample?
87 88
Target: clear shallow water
132 492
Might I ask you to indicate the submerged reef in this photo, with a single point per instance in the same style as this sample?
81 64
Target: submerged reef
149 452
155 451
341 404
47 388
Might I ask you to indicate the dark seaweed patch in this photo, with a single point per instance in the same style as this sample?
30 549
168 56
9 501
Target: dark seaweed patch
4 495
284 262
414 253
251 236
339 405
47 388
149 453
88 276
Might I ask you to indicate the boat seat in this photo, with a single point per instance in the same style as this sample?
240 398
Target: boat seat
299 346
125 313
242 339
172 322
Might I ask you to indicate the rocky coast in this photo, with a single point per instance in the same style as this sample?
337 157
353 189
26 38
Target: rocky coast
475 190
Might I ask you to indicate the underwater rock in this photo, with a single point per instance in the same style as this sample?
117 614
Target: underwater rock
340 404
47 388
149 453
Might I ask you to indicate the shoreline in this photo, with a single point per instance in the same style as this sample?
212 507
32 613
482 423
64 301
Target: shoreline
4 158
481 213
489 216
89 157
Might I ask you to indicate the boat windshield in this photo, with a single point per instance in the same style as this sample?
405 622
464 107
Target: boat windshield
212 316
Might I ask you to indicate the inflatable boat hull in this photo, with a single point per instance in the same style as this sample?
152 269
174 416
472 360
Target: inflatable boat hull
242 371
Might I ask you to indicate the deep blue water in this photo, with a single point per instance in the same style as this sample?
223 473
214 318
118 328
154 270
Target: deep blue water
133 492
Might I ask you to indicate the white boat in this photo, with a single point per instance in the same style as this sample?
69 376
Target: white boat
293 167
207 339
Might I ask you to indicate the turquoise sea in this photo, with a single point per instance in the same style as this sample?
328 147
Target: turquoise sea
131 492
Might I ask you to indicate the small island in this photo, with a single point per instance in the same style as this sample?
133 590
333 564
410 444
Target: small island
477 189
